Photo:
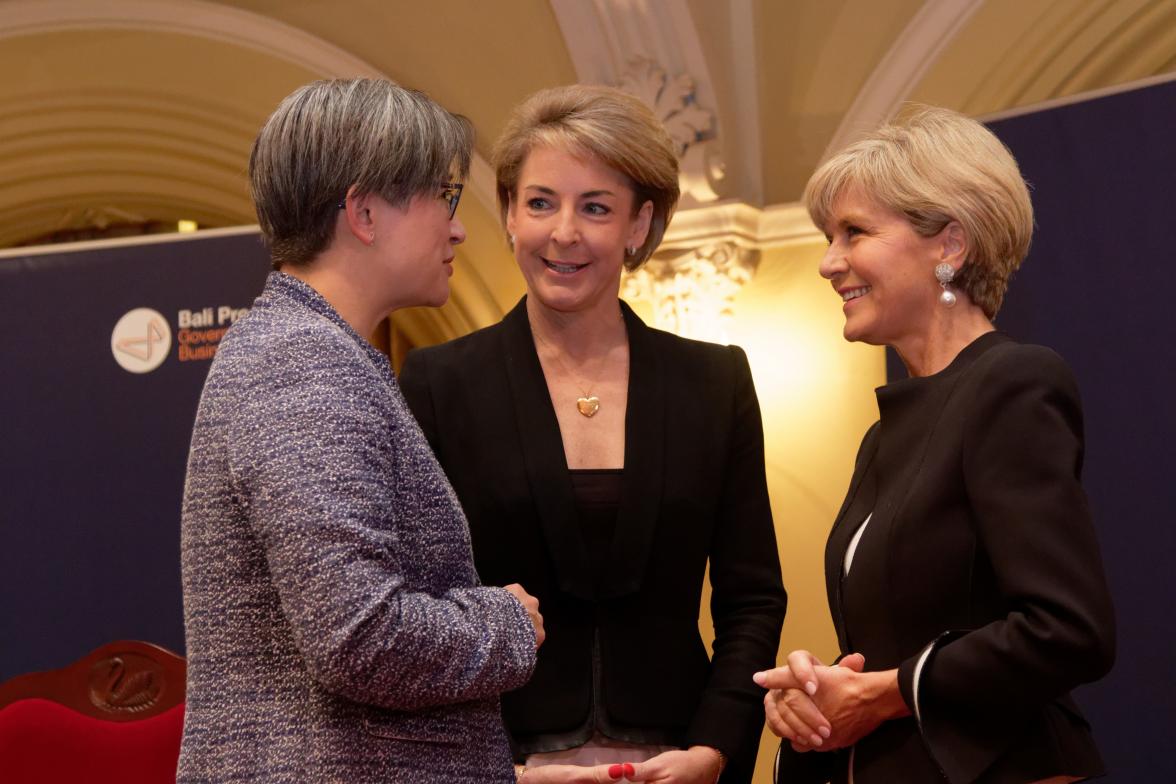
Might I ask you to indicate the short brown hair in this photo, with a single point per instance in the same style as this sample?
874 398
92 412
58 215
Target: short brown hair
934 166
328 136
602 122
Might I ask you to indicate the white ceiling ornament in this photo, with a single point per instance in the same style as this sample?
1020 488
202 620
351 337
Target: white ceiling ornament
690 126
605 38
693 293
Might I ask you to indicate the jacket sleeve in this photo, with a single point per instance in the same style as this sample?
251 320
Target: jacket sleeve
747 595
1022 460
316 454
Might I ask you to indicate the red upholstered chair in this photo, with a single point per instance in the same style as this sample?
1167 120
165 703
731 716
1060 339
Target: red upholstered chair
114 716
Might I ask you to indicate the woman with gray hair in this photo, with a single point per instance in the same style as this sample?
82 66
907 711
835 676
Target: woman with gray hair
336 628
963 571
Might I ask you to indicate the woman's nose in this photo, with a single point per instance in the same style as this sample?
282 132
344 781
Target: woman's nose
833 262
565 231
457 232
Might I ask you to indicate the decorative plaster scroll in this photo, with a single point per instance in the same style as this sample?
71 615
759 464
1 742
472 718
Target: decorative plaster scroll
693 294
634 44
689 125
915 50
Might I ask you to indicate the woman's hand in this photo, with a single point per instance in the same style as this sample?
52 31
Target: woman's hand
695 765
789 707
851 701
575 774
531 605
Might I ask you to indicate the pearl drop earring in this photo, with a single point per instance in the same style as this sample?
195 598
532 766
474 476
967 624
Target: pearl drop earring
944 273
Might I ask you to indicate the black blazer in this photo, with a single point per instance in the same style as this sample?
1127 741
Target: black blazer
981 547
693 489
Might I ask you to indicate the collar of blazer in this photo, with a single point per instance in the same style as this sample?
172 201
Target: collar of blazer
547 467
911 409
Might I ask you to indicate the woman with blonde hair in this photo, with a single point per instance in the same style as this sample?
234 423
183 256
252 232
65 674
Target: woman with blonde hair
963 571
603 463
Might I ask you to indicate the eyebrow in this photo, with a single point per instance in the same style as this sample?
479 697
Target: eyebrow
584 195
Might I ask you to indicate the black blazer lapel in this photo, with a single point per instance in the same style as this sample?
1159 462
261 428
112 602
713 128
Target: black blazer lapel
543 455
645 439
839 539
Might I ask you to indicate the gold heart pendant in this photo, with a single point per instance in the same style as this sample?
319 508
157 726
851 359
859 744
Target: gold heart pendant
588 405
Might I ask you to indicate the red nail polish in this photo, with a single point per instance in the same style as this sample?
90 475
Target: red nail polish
629 770
616 771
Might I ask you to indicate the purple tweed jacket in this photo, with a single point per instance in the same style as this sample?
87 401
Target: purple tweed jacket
335 625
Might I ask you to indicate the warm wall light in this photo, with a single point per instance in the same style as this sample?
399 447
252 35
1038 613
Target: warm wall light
186 226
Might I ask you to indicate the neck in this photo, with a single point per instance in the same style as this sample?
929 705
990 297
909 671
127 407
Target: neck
578 335
330 274
950 332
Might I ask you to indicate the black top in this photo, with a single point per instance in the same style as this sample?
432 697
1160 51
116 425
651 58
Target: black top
982 549
693 491
598 496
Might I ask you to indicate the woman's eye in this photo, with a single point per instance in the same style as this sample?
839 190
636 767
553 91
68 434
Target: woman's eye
538 203
595 208
852 231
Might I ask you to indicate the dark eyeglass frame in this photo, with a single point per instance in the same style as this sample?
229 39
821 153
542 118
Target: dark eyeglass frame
451 193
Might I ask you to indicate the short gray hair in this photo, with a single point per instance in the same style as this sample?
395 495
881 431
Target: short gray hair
934 166
328 136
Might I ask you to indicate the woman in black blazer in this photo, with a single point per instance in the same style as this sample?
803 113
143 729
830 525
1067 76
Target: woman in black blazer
602 464
963 571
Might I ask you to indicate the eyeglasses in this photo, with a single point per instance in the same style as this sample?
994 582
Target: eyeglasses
450 193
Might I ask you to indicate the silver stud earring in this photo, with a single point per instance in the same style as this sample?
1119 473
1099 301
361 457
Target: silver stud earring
510 239
944 273
631 250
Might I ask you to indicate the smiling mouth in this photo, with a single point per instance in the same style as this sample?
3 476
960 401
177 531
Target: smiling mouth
563 267
851 294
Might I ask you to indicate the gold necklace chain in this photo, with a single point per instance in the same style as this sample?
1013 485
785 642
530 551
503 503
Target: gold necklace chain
587 404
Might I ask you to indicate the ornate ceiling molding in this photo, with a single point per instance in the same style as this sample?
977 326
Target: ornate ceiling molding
896 76
778 226
637 43
218 22
708 254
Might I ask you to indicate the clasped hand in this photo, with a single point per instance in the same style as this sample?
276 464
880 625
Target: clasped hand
818 707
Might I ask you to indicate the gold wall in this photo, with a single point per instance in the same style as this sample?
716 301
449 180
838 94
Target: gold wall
817 400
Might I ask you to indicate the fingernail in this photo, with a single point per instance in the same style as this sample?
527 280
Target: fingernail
824 731
815 740
758 678
811 688
616 771
629 770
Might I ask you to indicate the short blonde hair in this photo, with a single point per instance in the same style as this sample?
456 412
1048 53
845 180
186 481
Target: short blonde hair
934 166
608 124
327 136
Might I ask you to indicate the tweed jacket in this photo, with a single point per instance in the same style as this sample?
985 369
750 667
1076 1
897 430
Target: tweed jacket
336 628
981 552
623 654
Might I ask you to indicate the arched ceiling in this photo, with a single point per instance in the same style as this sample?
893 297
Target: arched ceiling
145 109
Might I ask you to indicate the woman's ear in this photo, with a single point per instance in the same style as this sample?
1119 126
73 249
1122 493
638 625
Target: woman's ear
954 247
357 215
640 230
510 216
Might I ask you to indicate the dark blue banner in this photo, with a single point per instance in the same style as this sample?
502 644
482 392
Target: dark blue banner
105 350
